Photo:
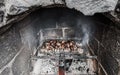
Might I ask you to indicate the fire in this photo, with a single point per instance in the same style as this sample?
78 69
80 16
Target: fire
65 45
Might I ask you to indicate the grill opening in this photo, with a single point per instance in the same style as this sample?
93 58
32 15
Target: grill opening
63 43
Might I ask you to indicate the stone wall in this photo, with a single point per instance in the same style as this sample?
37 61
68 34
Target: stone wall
111 52
108 49
10 45
10 8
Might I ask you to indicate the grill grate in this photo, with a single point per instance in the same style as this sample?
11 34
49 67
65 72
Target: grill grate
71 58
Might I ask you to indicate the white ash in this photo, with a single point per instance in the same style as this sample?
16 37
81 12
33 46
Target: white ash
45 67
81 67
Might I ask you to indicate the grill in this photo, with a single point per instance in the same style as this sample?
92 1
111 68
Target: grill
63 56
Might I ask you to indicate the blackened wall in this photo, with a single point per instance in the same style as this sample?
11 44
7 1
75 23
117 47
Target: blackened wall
107 47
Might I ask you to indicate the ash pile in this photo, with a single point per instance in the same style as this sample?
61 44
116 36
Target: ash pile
61 56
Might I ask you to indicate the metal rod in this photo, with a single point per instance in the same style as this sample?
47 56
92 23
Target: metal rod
97 60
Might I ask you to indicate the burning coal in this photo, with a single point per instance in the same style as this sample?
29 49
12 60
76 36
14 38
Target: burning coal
61 45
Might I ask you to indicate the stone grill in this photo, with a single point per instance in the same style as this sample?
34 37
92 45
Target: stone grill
92 41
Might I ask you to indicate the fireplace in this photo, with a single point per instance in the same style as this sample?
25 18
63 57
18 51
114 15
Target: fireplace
60 41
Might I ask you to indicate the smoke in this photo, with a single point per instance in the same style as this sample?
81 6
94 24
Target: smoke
84 26
27 36
86 34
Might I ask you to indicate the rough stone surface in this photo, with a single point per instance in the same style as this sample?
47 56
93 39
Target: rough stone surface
6 71
115 15
10 43
87 7
8 46
51 33
69 32
107 47
21 64
112 51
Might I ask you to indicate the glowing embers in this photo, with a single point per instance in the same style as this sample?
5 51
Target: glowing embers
60 46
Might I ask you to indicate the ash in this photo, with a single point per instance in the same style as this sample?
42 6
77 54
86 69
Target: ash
45 67
67 55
